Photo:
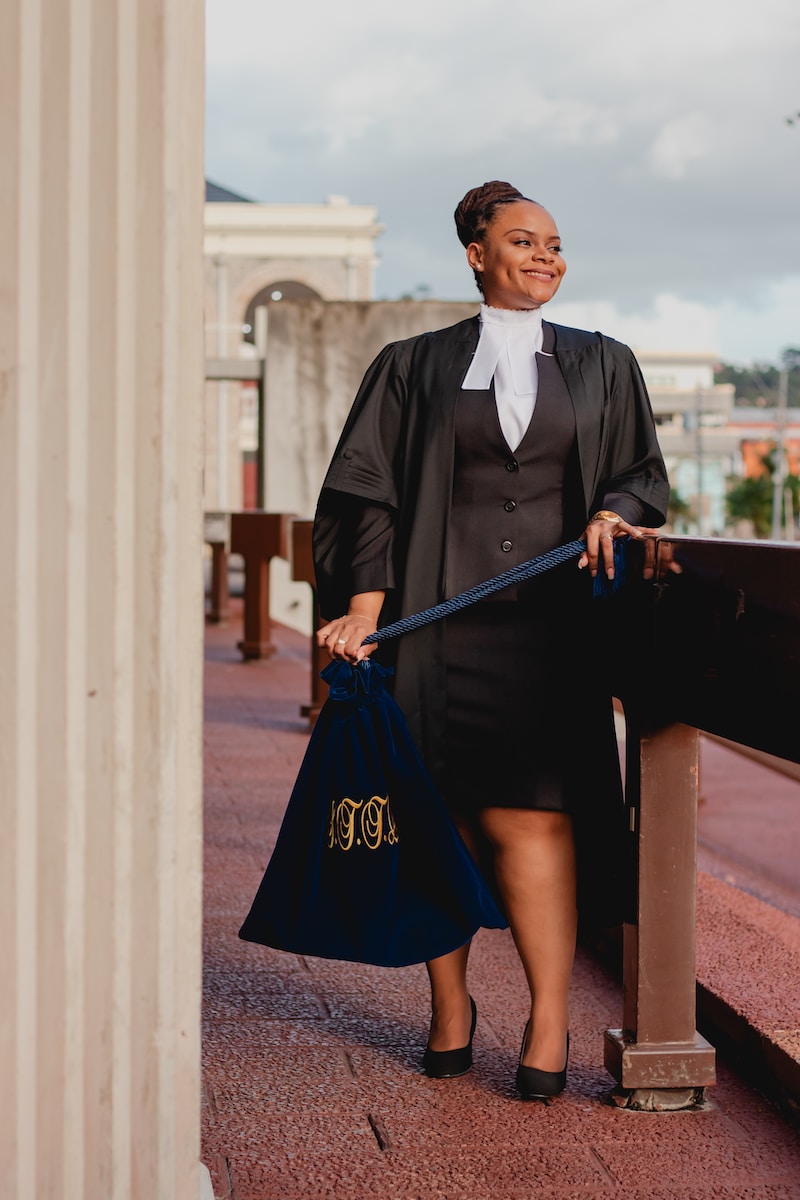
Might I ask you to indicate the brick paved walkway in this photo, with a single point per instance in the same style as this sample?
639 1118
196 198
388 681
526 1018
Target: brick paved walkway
311 1068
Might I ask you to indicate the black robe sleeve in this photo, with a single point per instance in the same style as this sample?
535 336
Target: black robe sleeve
364 474
373 566
634 482
365 462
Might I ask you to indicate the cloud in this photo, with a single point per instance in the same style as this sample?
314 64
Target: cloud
678 143
671 322
761 330
654 133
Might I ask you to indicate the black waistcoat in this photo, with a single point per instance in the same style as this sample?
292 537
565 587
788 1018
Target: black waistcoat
509 506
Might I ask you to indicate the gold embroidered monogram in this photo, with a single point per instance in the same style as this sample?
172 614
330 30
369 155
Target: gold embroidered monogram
362 823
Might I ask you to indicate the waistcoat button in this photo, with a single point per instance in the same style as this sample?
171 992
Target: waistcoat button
512 465
510 505
506 546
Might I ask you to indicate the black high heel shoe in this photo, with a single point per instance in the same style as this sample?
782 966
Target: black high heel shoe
447 1064
534 1084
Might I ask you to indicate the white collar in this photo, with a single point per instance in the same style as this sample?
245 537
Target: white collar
511 317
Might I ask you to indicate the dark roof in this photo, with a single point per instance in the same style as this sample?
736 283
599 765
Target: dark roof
221 195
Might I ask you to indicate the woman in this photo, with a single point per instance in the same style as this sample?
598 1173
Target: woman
467 451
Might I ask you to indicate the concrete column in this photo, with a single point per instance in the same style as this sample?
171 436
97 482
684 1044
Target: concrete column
101 389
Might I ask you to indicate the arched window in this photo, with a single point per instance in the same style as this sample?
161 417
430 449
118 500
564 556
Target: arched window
283 289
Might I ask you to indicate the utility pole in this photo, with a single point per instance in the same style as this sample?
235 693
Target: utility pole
779 470
698 453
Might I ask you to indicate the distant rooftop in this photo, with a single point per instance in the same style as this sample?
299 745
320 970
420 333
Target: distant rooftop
220 195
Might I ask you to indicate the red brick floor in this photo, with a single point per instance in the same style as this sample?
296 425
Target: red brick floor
312 1083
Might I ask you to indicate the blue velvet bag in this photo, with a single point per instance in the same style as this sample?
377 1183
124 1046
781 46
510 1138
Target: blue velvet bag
368 865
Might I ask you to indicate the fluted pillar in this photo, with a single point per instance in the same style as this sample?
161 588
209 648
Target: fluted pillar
101 395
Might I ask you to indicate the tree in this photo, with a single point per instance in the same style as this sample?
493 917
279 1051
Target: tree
758 383
750 499
678 510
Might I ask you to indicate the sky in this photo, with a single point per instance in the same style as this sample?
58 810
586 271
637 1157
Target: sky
657 134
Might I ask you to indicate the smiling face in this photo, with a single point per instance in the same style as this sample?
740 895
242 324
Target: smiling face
519 259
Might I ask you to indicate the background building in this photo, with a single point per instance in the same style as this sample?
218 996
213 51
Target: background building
256 254
700 447
710 443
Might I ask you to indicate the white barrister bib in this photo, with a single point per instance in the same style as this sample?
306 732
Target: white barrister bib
507 347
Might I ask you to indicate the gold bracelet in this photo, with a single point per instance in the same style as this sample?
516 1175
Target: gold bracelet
605 514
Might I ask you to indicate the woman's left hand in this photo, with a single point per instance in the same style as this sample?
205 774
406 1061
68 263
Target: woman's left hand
599 536
342 638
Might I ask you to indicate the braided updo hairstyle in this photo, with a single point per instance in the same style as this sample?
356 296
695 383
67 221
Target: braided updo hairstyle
476 212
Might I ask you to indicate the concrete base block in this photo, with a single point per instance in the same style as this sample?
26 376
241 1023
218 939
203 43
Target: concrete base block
668 1065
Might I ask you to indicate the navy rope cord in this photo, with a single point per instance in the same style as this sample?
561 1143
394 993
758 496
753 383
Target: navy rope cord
518 574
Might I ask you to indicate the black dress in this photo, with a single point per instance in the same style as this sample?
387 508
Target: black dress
505 657
512 711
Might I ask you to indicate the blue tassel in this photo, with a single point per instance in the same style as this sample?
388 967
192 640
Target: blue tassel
603 586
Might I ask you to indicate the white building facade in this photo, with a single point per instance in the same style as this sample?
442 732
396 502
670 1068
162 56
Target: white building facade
260 253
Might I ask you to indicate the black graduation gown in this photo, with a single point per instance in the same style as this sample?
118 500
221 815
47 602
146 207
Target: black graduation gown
397 449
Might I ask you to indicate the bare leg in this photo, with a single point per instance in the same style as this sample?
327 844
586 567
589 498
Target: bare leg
534 859
451 1014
